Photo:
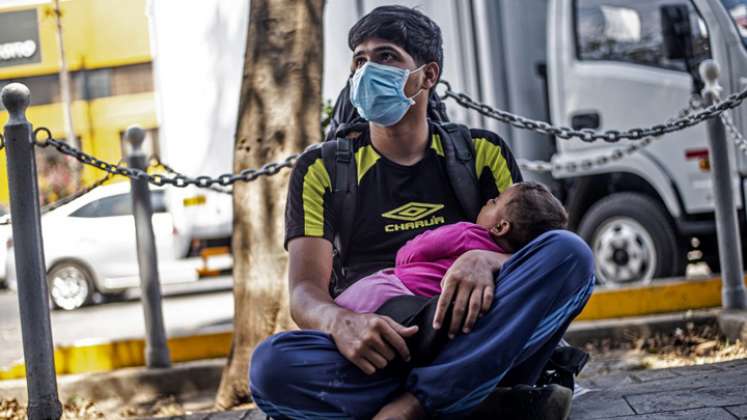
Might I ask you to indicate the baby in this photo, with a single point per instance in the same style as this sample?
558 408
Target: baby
505 224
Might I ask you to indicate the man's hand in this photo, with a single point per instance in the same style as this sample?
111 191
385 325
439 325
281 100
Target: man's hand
371 341
470 284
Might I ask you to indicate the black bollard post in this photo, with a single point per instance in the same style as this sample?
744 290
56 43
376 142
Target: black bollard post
156 350
727 227
33 295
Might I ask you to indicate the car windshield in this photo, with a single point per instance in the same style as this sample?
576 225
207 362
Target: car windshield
738 11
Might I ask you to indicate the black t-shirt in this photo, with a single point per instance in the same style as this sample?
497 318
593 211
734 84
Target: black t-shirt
395 202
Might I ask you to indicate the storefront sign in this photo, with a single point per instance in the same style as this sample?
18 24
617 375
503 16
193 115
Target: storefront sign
19 38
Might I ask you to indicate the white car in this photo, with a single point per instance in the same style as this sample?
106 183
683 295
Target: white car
90 248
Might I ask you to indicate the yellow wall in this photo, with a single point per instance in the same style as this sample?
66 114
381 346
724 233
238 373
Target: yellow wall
97 34
98 122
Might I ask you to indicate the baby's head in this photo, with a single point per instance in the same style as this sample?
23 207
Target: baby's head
521 213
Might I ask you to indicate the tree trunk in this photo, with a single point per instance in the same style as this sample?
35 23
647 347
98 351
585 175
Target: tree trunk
279 114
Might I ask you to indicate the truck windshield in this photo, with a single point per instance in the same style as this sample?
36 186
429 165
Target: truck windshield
738 11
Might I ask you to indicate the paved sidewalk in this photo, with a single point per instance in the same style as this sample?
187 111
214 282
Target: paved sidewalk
227 415
713 392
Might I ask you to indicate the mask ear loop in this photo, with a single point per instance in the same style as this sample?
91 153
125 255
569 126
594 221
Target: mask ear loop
412 98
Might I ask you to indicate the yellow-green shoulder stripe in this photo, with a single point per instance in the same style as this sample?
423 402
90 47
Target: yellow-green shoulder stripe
488 155
365 159
437 145
315 182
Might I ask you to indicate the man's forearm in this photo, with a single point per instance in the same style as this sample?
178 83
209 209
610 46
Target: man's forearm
313 307
309 270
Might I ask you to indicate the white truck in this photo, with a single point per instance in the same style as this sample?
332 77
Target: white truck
599 64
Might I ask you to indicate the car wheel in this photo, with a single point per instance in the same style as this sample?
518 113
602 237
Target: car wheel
70 286
632 239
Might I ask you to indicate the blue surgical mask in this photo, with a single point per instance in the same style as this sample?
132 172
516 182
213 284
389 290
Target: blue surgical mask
378 93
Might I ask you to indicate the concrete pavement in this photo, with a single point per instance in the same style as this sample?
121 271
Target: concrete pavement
714 392
120 326
193 308
227 415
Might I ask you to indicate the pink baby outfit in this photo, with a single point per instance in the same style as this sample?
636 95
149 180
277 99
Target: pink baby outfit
419 266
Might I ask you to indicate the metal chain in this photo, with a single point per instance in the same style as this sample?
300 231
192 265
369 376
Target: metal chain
588 135
535 165
155 161
734 132
645 136
180 181
587 164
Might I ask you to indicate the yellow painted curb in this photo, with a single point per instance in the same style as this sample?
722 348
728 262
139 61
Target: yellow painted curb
661 297
106 356
657 298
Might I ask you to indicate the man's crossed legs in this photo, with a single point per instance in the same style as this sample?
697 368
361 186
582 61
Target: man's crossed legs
301 374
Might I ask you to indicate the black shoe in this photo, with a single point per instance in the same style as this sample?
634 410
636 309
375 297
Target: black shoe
524 402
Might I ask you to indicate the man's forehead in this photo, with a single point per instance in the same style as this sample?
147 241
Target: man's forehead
375 44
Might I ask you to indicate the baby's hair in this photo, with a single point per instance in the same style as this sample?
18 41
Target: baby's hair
532 210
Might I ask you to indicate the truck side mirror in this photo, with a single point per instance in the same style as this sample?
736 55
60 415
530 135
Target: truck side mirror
677 32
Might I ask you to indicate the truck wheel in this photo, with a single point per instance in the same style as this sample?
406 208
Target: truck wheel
632 240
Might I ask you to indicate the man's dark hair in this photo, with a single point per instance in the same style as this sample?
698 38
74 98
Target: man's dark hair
409 28
532 210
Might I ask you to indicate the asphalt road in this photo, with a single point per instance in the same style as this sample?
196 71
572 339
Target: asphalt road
196 307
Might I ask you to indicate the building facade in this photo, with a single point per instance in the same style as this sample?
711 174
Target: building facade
108 54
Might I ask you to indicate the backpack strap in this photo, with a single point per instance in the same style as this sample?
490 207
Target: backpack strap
339 161
460 166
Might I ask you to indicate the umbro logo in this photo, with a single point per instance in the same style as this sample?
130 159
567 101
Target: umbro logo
413 211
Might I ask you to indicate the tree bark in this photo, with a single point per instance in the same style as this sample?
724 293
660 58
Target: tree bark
279 114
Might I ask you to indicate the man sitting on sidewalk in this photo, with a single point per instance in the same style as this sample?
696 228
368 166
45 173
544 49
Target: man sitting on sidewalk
507 314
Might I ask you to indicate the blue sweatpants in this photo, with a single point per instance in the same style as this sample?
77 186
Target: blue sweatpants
540 289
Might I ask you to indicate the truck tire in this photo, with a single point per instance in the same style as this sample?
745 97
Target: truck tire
632 239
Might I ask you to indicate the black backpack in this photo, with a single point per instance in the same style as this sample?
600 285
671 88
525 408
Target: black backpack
337 155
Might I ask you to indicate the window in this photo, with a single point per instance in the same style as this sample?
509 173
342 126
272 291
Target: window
630 31
119 205
115 205
89 84
738 11
128 80
98 83
45 89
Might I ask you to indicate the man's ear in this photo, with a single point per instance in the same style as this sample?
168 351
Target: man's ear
431 71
